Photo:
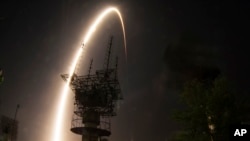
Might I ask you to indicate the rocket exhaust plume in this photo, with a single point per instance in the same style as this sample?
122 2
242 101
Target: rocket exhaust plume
62 100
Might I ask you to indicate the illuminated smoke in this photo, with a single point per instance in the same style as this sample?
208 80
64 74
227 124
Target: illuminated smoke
62 100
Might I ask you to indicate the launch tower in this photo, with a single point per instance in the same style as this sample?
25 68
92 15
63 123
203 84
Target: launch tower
96 96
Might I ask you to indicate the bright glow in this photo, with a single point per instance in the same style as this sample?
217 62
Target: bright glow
62 101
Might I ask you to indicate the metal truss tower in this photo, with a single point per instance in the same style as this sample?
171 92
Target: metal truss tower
96 96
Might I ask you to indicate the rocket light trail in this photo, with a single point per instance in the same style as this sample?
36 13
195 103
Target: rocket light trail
92 29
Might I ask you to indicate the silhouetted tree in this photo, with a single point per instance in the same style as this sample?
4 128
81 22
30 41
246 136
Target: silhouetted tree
211 107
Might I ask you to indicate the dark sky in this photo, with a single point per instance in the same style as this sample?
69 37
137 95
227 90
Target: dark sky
39 38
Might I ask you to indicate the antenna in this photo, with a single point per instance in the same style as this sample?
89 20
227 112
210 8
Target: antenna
107 59
17 107
90 66
13 132
116 67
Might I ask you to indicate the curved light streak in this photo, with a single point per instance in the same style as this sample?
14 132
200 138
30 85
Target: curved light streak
92 29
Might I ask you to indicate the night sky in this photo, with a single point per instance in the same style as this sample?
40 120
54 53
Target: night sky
39 39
